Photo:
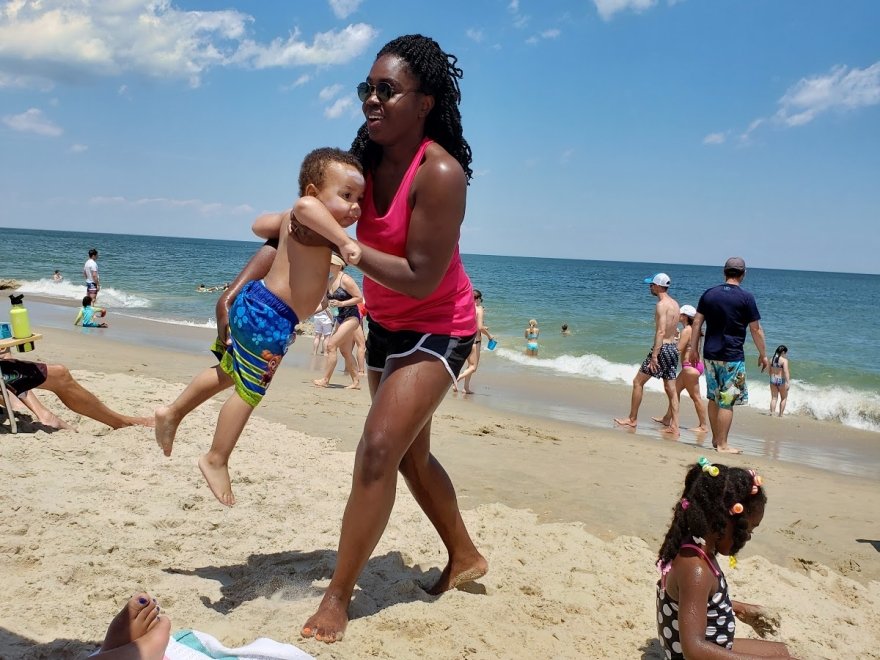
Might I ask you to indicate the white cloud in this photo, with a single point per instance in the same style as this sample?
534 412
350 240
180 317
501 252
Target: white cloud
607 8
513 7
197 205
338 108
344 8
69 40
715 138
33 121
329 92
550 34
474 35
842 89
299 82
78 148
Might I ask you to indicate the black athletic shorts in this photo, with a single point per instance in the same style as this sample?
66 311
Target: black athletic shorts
20 376
383 345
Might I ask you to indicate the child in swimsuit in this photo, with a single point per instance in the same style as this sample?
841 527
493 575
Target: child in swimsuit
531 335
87 314
264 315
779 379
718 510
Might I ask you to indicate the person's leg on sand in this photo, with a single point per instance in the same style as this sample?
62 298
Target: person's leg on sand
29 401
337 341
208 383
214 464
672 393
692 385
396 418
81 401
137 632
635 402
719 438
774 394
350 362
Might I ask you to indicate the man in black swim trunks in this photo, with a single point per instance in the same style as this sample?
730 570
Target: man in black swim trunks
21 376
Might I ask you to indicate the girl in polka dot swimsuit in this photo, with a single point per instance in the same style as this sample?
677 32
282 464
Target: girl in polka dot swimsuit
696 619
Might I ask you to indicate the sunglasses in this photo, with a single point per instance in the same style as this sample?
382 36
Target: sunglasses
383 91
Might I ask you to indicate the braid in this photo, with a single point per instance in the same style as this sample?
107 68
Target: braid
708 508
438 76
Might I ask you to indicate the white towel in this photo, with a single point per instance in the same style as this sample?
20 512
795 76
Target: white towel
195 645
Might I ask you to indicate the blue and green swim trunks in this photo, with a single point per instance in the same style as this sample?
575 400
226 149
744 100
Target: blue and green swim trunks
726 383
261 327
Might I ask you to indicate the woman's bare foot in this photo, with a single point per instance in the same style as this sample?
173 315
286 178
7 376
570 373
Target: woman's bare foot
355 385
468 391
457 573
626 421
218 480
669 430
137 632
727 449
320 382
661 420
700 429
329 622
166 428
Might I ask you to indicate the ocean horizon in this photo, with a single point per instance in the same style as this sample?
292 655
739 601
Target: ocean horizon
835 374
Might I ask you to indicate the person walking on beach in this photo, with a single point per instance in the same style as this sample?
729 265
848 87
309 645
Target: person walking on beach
90 272
531 334
780 379
727 310
343 295
422 316
265 313
474 358
689 376
662 359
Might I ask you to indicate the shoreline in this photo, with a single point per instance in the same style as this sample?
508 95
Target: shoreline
589 404
569 517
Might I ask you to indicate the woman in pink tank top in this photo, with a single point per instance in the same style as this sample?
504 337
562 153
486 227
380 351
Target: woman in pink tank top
422 317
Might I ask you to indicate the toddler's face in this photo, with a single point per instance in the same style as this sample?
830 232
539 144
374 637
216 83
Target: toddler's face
342 193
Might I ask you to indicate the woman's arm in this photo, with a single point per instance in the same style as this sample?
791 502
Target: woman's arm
438 202
268 225
785 371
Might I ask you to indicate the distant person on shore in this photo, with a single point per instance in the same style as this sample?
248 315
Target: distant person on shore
691 370
780 379
717 512
343 295
90 273
322 322
662 359
727 310
565 331
264 315
87 313
57 276
473 361
21 376
531 334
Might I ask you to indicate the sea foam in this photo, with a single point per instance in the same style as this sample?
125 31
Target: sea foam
107 297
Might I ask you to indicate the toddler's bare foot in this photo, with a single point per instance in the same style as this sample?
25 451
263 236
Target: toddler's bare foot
218 480
166 428
457 573
329 622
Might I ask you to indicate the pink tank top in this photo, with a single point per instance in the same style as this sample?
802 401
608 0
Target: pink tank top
449 310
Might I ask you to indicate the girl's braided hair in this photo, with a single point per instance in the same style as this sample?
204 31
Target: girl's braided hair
704 507
438 76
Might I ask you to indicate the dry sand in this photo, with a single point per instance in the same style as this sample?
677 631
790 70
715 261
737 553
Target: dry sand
569 518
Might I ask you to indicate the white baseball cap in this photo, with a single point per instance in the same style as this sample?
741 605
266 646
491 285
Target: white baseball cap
688 310
660 279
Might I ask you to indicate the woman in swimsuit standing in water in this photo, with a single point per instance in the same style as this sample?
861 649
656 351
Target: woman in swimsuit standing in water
531 335
422 315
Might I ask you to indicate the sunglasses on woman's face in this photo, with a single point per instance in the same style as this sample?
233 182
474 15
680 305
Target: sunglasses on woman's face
383 91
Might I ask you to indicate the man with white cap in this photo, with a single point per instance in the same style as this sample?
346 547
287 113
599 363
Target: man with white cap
727 310
662 359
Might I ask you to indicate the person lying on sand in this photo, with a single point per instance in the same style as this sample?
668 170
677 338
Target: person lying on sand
21 376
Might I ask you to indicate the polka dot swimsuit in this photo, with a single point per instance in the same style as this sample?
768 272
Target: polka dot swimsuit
720 621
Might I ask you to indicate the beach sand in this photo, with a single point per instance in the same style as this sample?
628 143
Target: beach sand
569 518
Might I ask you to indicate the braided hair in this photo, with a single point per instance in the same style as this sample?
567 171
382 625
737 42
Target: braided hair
438 76
704 507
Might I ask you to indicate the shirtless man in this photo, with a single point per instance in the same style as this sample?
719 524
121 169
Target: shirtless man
662 360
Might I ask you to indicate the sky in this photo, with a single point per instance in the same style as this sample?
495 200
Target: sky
668 131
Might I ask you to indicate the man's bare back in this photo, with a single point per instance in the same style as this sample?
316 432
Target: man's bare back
667 318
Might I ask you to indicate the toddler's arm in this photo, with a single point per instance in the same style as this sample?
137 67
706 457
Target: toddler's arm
312 213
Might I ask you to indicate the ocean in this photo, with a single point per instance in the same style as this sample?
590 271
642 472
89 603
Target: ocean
825 319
